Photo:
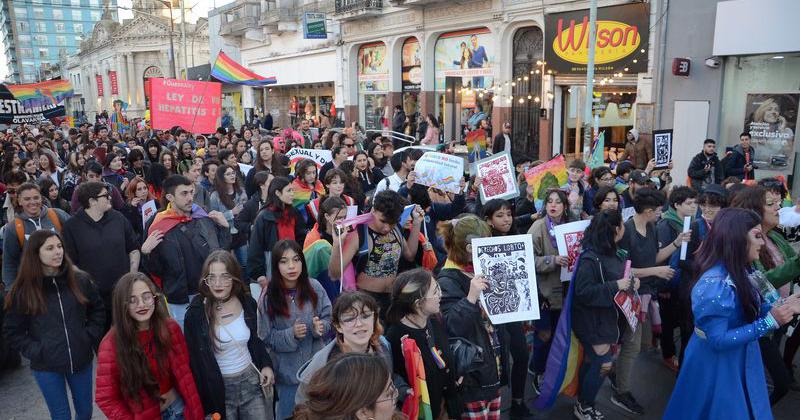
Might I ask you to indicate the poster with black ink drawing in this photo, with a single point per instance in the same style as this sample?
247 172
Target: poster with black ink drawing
568 240
662 147
507 263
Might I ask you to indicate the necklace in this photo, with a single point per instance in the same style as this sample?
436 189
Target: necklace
421 327
219 307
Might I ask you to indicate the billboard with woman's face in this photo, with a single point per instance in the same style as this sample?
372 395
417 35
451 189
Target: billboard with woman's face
771 120
467 54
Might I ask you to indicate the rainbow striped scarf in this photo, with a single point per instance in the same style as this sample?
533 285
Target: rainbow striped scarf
417 406
303 193
228 71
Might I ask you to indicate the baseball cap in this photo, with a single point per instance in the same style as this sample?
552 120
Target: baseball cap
639 176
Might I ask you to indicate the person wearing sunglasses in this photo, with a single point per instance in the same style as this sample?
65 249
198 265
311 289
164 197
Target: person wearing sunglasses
54 318
358 330
231 364
101 241
143 363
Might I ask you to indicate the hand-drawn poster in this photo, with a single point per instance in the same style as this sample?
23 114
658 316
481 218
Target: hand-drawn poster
512 293
546 176
497 177
568 239
771 120
440 170
662 147
476 145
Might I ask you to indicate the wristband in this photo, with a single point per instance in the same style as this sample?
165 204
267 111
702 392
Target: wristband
676 246
772 322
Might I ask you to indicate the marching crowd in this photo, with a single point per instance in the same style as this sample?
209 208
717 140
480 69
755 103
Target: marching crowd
209 277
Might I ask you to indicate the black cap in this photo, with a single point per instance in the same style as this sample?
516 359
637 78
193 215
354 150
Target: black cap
639 176
715 189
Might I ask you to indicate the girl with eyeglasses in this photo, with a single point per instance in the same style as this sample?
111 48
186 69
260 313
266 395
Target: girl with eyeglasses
230 363
414 313
55 318
143 363
358 330
352 386
294 317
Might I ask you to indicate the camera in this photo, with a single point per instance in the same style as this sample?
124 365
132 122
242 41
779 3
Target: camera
713 62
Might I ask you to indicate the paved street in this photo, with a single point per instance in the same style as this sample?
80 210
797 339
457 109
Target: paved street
21 400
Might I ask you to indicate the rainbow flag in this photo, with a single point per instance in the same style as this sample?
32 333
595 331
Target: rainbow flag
49 92
549 175
417 406
596 158
228 71
564 360
476 145
303 194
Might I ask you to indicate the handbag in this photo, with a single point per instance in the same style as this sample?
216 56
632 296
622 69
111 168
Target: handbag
467 356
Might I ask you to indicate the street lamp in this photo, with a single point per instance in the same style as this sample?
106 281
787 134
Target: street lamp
171 43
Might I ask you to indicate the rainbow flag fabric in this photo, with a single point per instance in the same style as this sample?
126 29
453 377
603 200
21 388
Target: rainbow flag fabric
228 71
564 360
303 194
417 406
549 175
476 145
49 92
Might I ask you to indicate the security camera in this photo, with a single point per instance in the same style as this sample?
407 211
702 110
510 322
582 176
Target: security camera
713 62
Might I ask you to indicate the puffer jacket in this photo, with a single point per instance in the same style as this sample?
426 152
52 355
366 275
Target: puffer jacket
287 352
65 337
114 405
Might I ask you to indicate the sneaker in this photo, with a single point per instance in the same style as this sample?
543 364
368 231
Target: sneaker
536 382
519 411
627 402
671 363
587 412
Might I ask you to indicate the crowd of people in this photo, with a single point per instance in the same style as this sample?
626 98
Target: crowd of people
211 278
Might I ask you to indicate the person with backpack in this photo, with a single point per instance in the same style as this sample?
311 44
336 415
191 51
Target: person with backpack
32 216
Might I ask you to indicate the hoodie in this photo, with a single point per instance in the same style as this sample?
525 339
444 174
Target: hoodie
12 252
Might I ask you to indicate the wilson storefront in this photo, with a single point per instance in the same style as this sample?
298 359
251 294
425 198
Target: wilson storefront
621 56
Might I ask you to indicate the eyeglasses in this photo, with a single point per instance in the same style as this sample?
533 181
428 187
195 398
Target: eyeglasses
393 392
607 178
223 280
348 145
350 320
106 195
147 298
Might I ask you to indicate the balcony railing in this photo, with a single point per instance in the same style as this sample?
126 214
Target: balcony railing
358 6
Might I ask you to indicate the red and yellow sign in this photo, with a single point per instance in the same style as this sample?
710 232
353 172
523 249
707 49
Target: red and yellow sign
622 33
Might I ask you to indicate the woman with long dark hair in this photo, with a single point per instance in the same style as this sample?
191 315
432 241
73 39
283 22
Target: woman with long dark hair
294 318
368 174
730 315
267 159
229 362
606 198
136 195
378 159
54 317
184 157
432 133
415 313
143 363
351 386
319 243
307 186
229 199
334 187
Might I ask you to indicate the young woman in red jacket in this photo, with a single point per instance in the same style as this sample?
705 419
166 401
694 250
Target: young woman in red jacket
143 365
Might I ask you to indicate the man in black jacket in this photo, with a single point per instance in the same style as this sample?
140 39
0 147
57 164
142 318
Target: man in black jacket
705 168
398 122
178 242
101 241
502 141
741 161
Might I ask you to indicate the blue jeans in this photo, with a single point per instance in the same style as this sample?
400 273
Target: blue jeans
55 393
174 411
178 310
286 395
589 376
241 256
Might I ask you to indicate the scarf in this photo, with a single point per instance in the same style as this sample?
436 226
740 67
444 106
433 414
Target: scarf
674 220
469 268
550 232
303 193
168 219
285 223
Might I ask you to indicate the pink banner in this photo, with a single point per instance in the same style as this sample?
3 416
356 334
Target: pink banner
193 106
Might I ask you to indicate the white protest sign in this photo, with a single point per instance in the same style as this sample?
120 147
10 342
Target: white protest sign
439 170
498 177
506 262
149 210
319 156
568 239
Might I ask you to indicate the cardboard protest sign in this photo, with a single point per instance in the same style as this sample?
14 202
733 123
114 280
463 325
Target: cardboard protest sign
568 239
439 170
498 178
191 105
505 261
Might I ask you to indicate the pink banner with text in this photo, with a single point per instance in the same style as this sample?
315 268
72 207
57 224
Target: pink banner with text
191 105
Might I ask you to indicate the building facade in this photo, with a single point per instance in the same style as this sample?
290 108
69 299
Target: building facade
38 35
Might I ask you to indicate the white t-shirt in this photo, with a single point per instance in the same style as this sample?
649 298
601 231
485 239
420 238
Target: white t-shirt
392 182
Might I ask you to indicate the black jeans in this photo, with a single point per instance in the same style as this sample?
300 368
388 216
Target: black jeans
773 362
669 309
518 348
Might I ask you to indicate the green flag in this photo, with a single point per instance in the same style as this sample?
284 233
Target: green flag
595 158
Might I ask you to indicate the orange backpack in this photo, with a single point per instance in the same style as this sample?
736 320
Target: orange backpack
20 226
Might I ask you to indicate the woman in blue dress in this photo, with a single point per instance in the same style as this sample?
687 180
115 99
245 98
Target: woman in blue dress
722 375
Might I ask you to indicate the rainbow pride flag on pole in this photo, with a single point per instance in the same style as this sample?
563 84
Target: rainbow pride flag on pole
228 71
49 92
564 360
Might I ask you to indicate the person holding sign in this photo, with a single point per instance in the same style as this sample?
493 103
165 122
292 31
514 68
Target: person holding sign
548 275
599 275
730 316
465 318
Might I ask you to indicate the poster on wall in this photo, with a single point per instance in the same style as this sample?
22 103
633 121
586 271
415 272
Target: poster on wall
771 120
662 148
467 54
512 293
622 36
373 70
411 66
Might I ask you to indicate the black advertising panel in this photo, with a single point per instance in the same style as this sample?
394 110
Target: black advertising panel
622 34
12 112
